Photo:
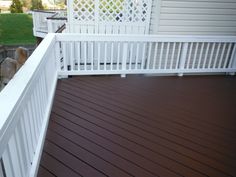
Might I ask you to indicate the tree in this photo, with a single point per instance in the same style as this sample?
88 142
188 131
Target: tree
16 7
37 4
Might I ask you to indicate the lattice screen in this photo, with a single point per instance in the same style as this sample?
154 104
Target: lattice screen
84 10
110 11
123 10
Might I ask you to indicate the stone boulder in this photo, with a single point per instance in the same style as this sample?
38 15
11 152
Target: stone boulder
10 66
21 55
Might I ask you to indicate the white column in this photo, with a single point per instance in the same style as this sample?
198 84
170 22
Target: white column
70 12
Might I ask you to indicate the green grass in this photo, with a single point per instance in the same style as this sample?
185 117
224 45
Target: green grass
16 29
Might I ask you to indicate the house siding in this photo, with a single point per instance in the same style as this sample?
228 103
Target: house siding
195 17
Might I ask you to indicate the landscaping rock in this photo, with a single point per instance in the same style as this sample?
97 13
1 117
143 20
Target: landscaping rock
10 66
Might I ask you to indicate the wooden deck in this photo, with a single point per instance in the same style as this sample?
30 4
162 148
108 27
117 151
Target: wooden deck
142 127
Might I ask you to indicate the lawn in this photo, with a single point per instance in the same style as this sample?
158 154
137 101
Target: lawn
16 29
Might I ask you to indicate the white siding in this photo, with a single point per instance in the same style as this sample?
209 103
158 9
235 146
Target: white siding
194 17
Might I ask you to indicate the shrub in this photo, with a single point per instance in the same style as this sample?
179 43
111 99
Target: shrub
16 7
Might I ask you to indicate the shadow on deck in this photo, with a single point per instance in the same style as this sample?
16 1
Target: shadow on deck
142 126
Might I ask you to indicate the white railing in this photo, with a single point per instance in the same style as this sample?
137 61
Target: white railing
40 24
56 21
25 105
26 101
127 54
45 22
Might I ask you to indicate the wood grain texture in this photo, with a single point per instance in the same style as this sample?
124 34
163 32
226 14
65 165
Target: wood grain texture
142 126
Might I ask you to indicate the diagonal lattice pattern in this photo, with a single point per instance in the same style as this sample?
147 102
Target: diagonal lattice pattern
123 10
84 10
110 10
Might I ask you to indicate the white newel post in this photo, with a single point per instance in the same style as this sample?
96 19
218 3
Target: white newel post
124 59
70 15
96 16
183 57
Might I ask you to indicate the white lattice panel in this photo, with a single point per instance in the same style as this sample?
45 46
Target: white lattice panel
110 15
123 11
140 13
84 10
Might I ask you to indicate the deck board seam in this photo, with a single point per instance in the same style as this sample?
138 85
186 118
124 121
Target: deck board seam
59 161
86 149
156 151
147 111
141 154
186 139
141 126
73 154
123 85
42 166
124 92
155 141
110 151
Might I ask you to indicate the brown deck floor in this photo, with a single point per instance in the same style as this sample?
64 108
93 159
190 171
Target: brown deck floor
142 126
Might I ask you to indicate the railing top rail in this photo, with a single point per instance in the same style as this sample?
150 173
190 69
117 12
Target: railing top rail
56 18
117 23
45 11
140 38
11 96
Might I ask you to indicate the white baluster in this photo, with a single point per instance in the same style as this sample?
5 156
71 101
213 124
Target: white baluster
183 57
124 58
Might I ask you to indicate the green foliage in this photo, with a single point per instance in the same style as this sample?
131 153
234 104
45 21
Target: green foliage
37 4
16 7
16 29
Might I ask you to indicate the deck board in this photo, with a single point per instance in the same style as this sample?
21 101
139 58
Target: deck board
142 126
